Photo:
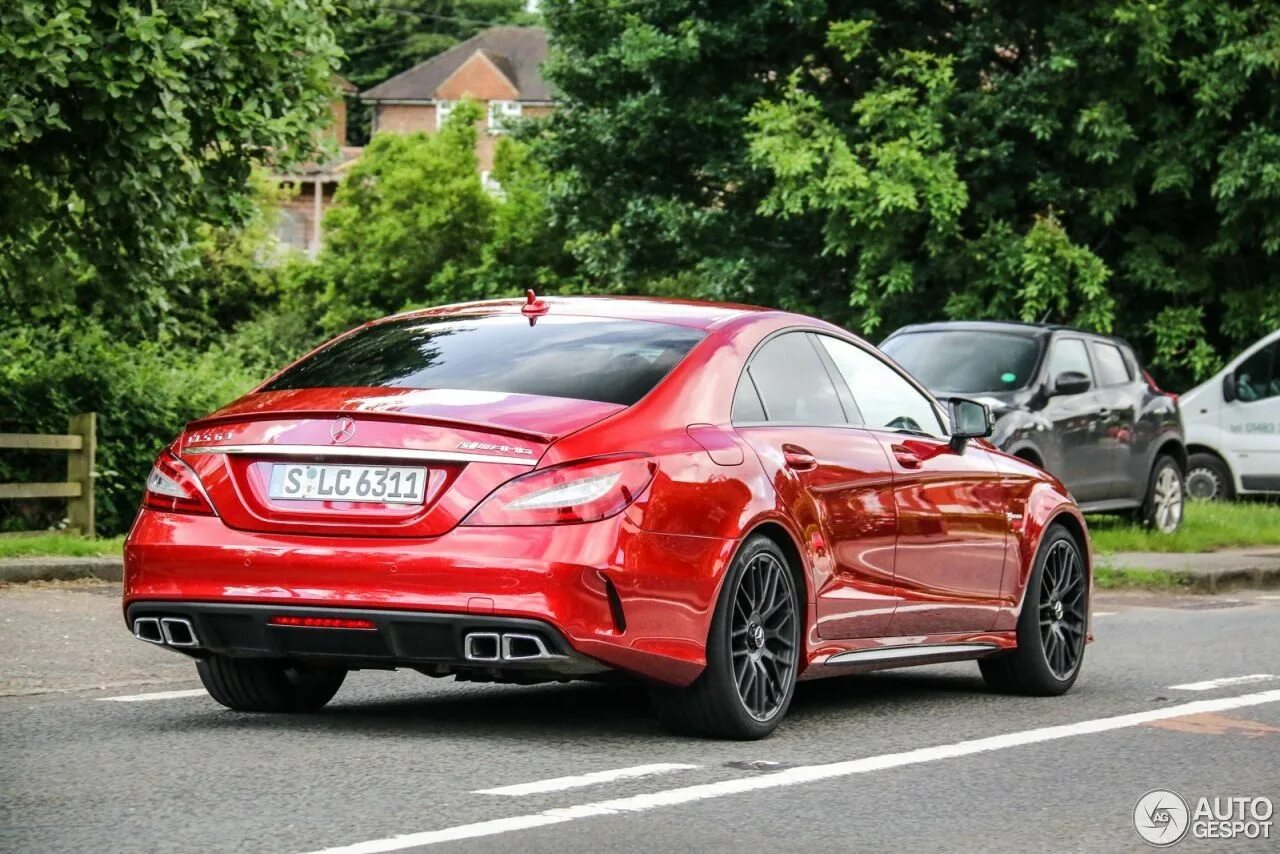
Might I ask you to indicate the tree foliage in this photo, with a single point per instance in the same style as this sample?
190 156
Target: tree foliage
412 224
126 124
1109 164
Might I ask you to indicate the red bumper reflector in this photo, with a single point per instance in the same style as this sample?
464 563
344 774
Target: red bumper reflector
320 622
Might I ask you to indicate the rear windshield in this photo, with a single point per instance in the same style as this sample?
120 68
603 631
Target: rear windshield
966 361
614 361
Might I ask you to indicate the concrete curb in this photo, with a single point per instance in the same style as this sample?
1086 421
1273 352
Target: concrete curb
1214 572
20 569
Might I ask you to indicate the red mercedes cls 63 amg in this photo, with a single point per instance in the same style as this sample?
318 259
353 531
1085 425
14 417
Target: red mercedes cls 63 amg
719 500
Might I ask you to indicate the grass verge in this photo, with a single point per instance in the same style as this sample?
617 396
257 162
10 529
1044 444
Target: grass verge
1205 528
60 545
1123 578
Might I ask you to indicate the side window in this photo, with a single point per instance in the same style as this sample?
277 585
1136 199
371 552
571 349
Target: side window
1112 368
746 402
793 384
1258 376
1068 354
885 399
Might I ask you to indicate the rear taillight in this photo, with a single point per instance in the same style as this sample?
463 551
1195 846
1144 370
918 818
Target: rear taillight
582 491
174 488
1151 383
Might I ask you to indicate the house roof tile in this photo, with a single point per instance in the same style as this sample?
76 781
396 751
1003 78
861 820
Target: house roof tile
517 51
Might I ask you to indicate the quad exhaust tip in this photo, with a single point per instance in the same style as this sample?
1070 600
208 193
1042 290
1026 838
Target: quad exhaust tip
148 629
490 647
166 631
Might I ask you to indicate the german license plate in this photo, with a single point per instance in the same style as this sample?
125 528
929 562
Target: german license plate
371 484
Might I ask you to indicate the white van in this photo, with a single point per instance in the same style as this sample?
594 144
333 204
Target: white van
1233 426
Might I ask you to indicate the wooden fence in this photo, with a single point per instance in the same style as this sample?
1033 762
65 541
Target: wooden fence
80 443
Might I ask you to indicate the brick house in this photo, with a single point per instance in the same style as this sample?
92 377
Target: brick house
499 67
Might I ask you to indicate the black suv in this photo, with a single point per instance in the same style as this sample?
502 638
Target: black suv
1074 403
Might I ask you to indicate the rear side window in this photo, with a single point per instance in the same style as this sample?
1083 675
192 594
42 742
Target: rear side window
1112 367
614 361
793 383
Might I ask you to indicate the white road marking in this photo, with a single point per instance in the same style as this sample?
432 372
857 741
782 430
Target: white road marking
1211 684
1270 597
1105 613
795 776
560 783
158 695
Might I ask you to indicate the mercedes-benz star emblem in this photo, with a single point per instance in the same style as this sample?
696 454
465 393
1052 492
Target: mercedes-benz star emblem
342 430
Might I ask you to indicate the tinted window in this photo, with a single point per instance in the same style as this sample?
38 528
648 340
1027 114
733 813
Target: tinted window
1258 376
746 402
1068 354
885 399
793 384
1112 368
615 361
966 362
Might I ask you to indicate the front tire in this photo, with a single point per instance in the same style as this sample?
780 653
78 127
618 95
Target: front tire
1209 479
268 685
1166 496
753 653
1051 627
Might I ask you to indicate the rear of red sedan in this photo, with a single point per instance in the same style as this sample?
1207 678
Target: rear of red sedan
400 498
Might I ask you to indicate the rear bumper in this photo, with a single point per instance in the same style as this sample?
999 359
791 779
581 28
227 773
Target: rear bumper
629 599
435 643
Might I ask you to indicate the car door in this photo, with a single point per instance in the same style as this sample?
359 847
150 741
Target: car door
1253 419
835 482
1076 452
952 519
1119 395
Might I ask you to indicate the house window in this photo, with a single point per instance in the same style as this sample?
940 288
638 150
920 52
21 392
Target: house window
490 184
292 228
501 113
444 109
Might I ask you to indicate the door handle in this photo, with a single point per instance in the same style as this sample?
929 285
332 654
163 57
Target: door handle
906 457
798 459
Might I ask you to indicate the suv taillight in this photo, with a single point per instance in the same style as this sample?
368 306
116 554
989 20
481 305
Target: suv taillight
174 488
582 491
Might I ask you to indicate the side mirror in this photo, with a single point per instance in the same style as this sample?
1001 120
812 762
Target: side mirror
1229 391
969 420
1071 382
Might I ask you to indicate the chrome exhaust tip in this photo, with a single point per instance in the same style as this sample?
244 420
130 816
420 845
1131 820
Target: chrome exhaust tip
178 631
518 647
481 646
148 629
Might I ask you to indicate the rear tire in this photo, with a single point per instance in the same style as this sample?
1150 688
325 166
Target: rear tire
1209 479
1166 497
1051 627
753 653
268 685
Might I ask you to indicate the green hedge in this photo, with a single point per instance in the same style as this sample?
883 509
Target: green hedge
143 394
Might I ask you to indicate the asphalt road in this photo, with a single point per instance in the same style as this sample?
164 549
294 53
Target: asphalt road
915 760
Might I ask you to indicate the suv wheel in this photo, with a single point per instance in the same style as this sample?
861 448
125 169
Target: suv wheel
1209 479
1162 509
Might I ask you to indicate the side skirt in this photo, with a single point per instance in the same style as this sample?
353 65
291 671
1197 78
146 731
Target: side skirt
863 655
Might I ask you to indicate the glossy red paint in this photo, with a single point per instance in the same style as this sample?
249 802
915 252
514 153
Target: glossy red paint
897 539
